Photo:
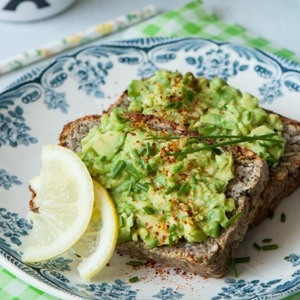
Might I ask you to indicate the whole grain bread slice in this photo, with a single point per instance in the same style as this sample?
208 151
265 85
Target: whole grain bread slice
209 258
284 178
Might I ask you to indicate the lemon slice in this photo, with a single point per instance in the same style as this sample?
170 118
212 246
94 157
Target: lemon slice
62 207
97 244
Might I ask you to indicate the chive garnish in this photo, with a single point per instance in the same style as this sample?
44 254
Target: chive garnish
220 136
135 153
135 263
173 228
142 151
266 241
121 221
177 168
183 189
130 188
103 158
119 166
233 269
133 171
170 240
221 144
240 260
144 164
232 219
180 157
270 247
282 217
149 210
173 188
148 149
153 244
271 215
133 279
256 246
167 138
144 187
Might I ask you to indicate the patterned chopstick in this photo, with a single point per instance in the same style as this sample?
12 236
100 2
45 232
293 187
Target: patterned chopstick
78 39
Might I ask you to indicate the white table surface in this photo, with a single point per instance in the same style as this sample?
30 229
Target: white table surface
275 20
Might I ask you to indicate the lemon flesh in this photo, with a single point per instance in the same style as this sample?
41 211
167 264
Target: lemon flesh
63 205
97 244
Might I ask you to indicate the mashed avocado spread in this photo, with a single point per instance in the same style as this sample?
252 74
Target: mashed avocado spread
160 199
208 107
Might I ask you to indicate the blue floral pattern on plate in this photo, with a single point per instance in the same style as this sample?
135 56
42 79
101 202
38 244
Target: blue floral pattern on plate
216 63
168 294
7 180
88 80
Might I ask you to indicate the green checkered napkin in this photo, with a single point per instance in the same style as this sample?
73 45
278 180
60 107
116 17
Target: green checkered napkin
12 288
193 20
190 20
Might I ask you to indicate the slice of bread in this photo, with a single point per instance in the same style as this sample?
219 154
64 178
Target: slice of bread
209 258
284 178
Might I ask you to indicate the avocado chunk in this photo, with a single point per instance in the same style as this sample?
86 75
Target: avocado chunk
104 144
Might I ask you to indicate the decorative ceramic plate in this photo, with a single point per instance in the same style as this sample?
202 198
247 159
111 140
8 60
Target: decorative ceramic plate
33 111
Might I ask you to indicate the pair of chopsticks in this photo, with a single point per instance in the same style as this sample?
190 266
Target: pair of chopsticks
78 39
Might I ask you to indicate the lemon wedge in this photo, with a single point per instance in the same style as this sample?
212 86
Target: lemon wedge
97 244
62 206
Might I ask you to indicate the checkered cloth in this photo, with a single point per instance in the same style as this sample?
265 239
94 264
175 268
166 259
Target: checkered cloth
193 20
12 288
190 20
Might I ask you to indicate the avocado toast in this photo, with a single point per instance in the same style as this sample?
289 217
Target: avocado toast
190 212
213 107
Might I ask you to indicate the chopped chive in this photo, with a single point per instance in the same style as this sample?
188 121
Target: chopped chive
149 210
240 260
121 221
133 171
170 240
182 189
135 153
271 215
173 228
144 187
119 166
282 217
194 180
266 241
180 157
232 219
270 247
153 244
177 168
142 151
133 279
221 144
233 269
145 165
148 149
163 138
256 246
222 136
135 263
130 188
103 158
173 188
